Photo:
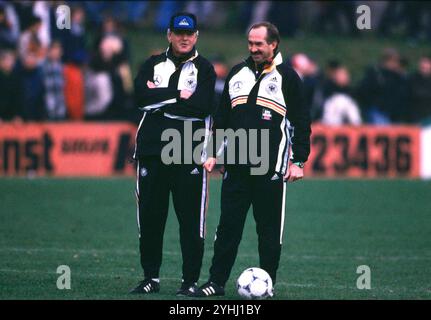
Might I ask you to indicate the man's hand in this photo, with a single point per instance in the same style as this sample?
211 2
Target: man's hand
294 173
151 84
185 94
209 164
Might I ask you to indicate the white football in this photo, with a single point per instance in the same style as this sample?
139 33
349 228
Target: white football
254 283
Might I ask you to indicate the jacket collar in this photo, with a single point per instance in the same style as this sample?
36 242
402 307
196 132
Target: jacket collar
183 59
267 66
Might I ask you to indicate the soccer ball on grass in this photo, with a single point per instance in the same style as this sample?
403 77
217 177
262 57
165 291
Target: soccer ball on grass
254 283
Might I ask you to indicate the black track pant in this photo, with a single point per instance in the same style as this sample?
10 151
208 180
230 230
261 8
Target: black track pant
188 184
240 190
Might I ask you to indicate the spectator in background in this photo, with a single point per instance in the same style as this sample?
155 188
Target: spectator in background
337 17
10 88
74 86
221 70
55 32
393 14
420 84
110 27
33 90
115 59
55 105
24 12
29 42
414 15
98 93
322 90
383 91
303 65
73 39
75 56
110 60
339 107
9 32
42 10
98 85
308 71
333 100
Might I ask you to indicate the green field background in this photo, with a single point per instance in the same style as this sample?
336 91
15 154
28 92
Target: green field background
331 228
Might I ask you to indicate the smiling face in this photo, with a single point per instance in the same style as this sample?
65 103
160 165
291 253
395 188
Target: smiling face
182 41
260 50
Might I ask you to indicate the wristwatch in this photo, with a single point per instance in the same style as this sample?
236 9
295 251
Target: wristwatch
299 164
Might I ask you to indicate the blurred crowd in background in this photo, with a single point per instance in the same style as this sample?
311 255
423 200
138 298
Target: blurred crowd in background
84 73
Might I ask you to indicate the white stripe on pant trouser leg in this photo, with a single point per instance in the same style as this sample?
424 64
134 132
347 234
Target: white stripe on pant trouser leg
204 196
137 199
283 205
208 127
136 135
282 146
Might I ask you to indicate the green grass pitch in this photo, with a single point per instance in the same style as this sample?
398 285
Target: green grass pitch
331 228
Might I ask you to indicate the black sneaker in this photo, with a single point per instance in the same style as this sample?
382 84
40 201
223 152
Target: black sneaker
209 289
146 286
187 289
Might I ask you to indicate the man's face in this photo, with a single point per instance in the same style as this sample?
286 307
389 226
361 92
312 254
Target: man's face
182 41
342 77
260 50
7 62
55 52
425 66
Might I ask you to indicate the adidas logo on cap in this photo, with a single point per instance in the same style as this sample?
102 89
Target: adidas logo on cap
184 22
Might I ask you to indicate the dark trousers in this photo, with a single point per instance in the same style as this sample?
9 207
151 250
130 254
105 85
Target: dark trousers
240 190
188 184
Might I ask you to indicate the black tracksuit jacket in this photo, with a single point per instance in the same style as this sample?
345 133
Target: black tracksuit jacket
162 106
267 97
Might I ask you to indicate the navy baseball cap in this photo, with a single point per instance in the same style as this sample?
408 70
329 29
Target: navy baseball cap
183 22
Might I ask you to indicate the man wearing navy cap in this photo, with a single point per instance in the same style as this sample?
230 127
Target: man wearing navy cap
175 90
